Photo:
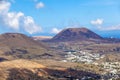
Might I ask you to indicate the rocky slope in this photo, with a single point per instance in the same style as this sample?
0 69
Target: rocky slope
76 34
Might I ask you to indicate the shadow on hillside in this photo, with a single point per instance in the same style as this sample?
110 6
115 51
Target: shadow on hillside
69 74
72 74
2 59
23 74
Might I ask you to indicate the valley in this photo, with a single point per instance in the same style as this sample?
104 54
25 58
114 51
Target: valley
59 58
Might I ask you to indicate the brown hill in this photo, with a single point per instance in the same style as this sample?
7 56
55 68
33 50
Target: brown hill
17 39
20 46
29 70
75 34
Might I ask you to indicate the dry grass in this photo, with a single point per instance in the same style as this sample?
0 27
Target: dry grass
59 65
36 66
20 64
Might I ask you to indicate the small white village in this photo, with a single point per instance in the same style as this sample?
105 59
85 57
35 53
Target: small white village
111 69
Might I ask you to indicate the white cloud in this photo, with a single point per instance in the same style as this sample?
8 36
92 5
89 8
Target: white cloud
16 20
12 19
100 26
4 7
55 30
40 5
97 22
30 25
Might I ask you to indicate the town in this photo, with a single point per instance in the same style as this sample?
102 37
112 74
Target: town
111 70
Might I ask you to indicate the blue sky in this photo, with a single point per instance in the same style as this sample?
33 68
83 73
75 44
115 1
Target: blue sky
48 17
